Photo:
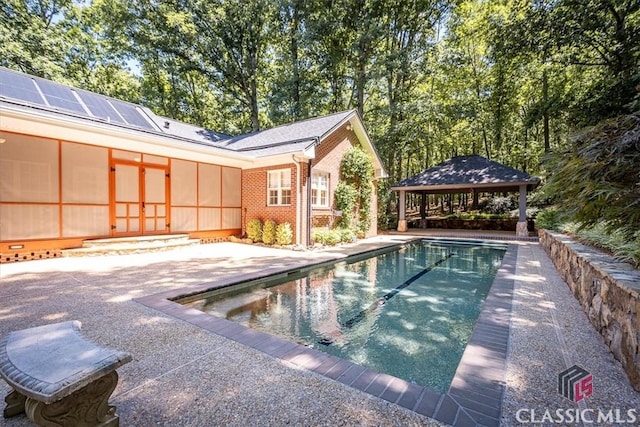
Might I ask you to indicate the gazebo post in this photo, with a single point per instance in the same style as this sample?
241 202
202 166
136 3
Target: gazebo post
521 226
402 222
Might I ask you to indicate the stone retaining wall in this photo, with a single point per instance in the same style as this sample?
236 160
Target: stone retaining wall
469 224
609 292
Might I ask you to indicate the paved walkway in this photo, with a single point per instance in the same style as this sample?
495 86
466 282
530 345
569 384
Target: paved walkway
182 375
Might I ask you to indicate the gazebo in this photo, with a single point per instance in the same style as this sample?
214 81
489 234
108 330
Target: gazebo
465 174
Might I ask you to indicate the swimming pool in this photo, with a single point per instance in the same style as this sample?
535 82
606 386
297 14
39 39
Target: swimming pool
408 312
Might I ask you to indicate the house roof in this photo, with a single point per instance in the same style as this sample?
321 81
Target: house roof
29 93
467 172
189 132
288 138
308 130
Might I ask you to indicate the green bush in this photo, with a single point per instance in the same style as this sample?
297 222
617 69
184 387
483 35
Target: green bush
549 219
476 216
346 235
269 232
254 230
346 197
327 237
500 205
615 242
284 234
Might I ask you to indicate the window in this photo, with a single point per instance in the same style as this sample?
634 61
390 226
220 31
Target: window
279 187
320 189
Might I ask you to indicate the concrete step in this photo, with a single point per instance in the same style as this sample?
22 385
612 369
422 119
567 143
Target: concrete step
131 245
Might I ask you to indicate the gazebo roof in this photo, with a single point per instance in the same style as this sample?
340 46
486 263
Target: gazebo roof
464 173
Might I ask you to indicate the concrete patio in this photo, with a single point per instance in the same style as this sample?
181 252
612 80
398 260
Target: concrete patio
184 375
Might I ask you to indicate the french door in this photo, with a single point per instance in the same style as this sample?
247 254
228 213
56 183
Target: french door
139 199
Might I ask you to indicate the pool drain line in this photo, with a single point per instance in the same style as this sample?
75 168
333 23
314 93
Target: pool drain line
386 297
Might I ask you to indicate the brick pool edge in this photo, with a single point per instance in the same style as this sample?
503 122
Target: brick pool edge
475 395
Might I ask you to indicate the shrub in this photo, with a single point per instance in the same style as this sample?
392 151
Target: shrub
476 216
284 234
254 230
596 178
550 219
327 237
346 235
613 241
500 205
346 196
269 232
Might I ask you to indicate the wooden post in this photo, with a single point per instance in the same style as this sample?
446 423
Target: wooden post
402 222
521 226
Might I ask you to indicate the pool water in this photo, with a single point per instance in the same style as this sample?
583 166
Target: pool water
408 312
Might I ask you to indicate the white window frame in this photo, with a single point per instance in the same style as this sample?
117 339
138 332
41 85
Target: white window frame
279 187
318 188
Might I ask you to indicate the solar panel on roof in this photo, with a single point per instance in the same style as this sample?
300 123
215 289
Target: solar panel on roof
60 96
19 87
99 107
131 114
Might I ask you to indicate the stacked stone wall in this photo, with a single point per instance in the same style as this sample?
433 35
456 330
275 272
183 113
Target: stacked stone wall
608 291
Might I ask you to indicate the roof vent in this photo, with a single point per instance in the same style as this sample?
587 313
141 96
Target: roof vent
167 124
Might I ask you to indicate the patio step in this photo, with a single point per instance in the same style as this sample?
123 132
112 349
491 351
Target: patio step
131 245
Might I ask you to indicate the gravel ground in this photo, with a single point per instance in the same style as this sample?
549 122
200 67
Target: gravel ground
182 375
550 333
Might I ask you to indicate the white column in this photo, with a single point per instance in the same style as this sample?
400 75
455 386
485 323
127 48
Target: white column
521 226
402 222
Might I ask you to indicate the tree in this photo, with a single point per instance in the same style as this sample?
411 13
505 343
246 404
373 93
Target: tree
32 41
596 180
223 40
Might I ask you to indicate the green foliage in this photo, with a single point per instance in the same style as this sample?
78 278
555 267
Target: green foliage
618 243
269 232
550 219
254 230
596 180
346 235
356 166
478 215
508 80
284 234
346 196
354 192
327 237
499 205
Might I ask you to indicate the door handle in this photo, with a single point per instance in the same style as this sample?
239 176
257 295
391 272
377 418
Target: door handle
142 206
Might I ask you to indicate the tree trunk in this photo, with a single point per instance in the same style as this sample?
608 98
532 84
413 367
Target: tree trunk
545 111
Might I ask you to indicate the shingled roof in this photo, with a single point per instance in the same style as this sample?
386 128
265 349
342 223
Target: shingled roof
465 173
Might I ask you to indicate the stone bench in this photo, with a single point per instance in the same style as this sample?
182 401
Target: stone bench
59 377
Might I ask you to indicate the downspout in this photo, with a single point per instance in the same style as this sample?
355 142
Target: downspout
298 201
309 212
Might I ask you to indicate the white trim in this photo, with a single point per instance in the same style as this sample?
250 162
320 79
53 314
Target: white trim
281 180
319 174
46 125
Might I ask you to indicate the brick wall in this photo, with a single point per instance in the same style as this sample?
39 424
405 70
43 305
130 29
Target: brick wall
254 198
328 156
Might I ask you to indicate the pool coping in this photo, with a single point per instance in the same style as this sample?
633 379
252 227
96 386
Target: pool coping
476 391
